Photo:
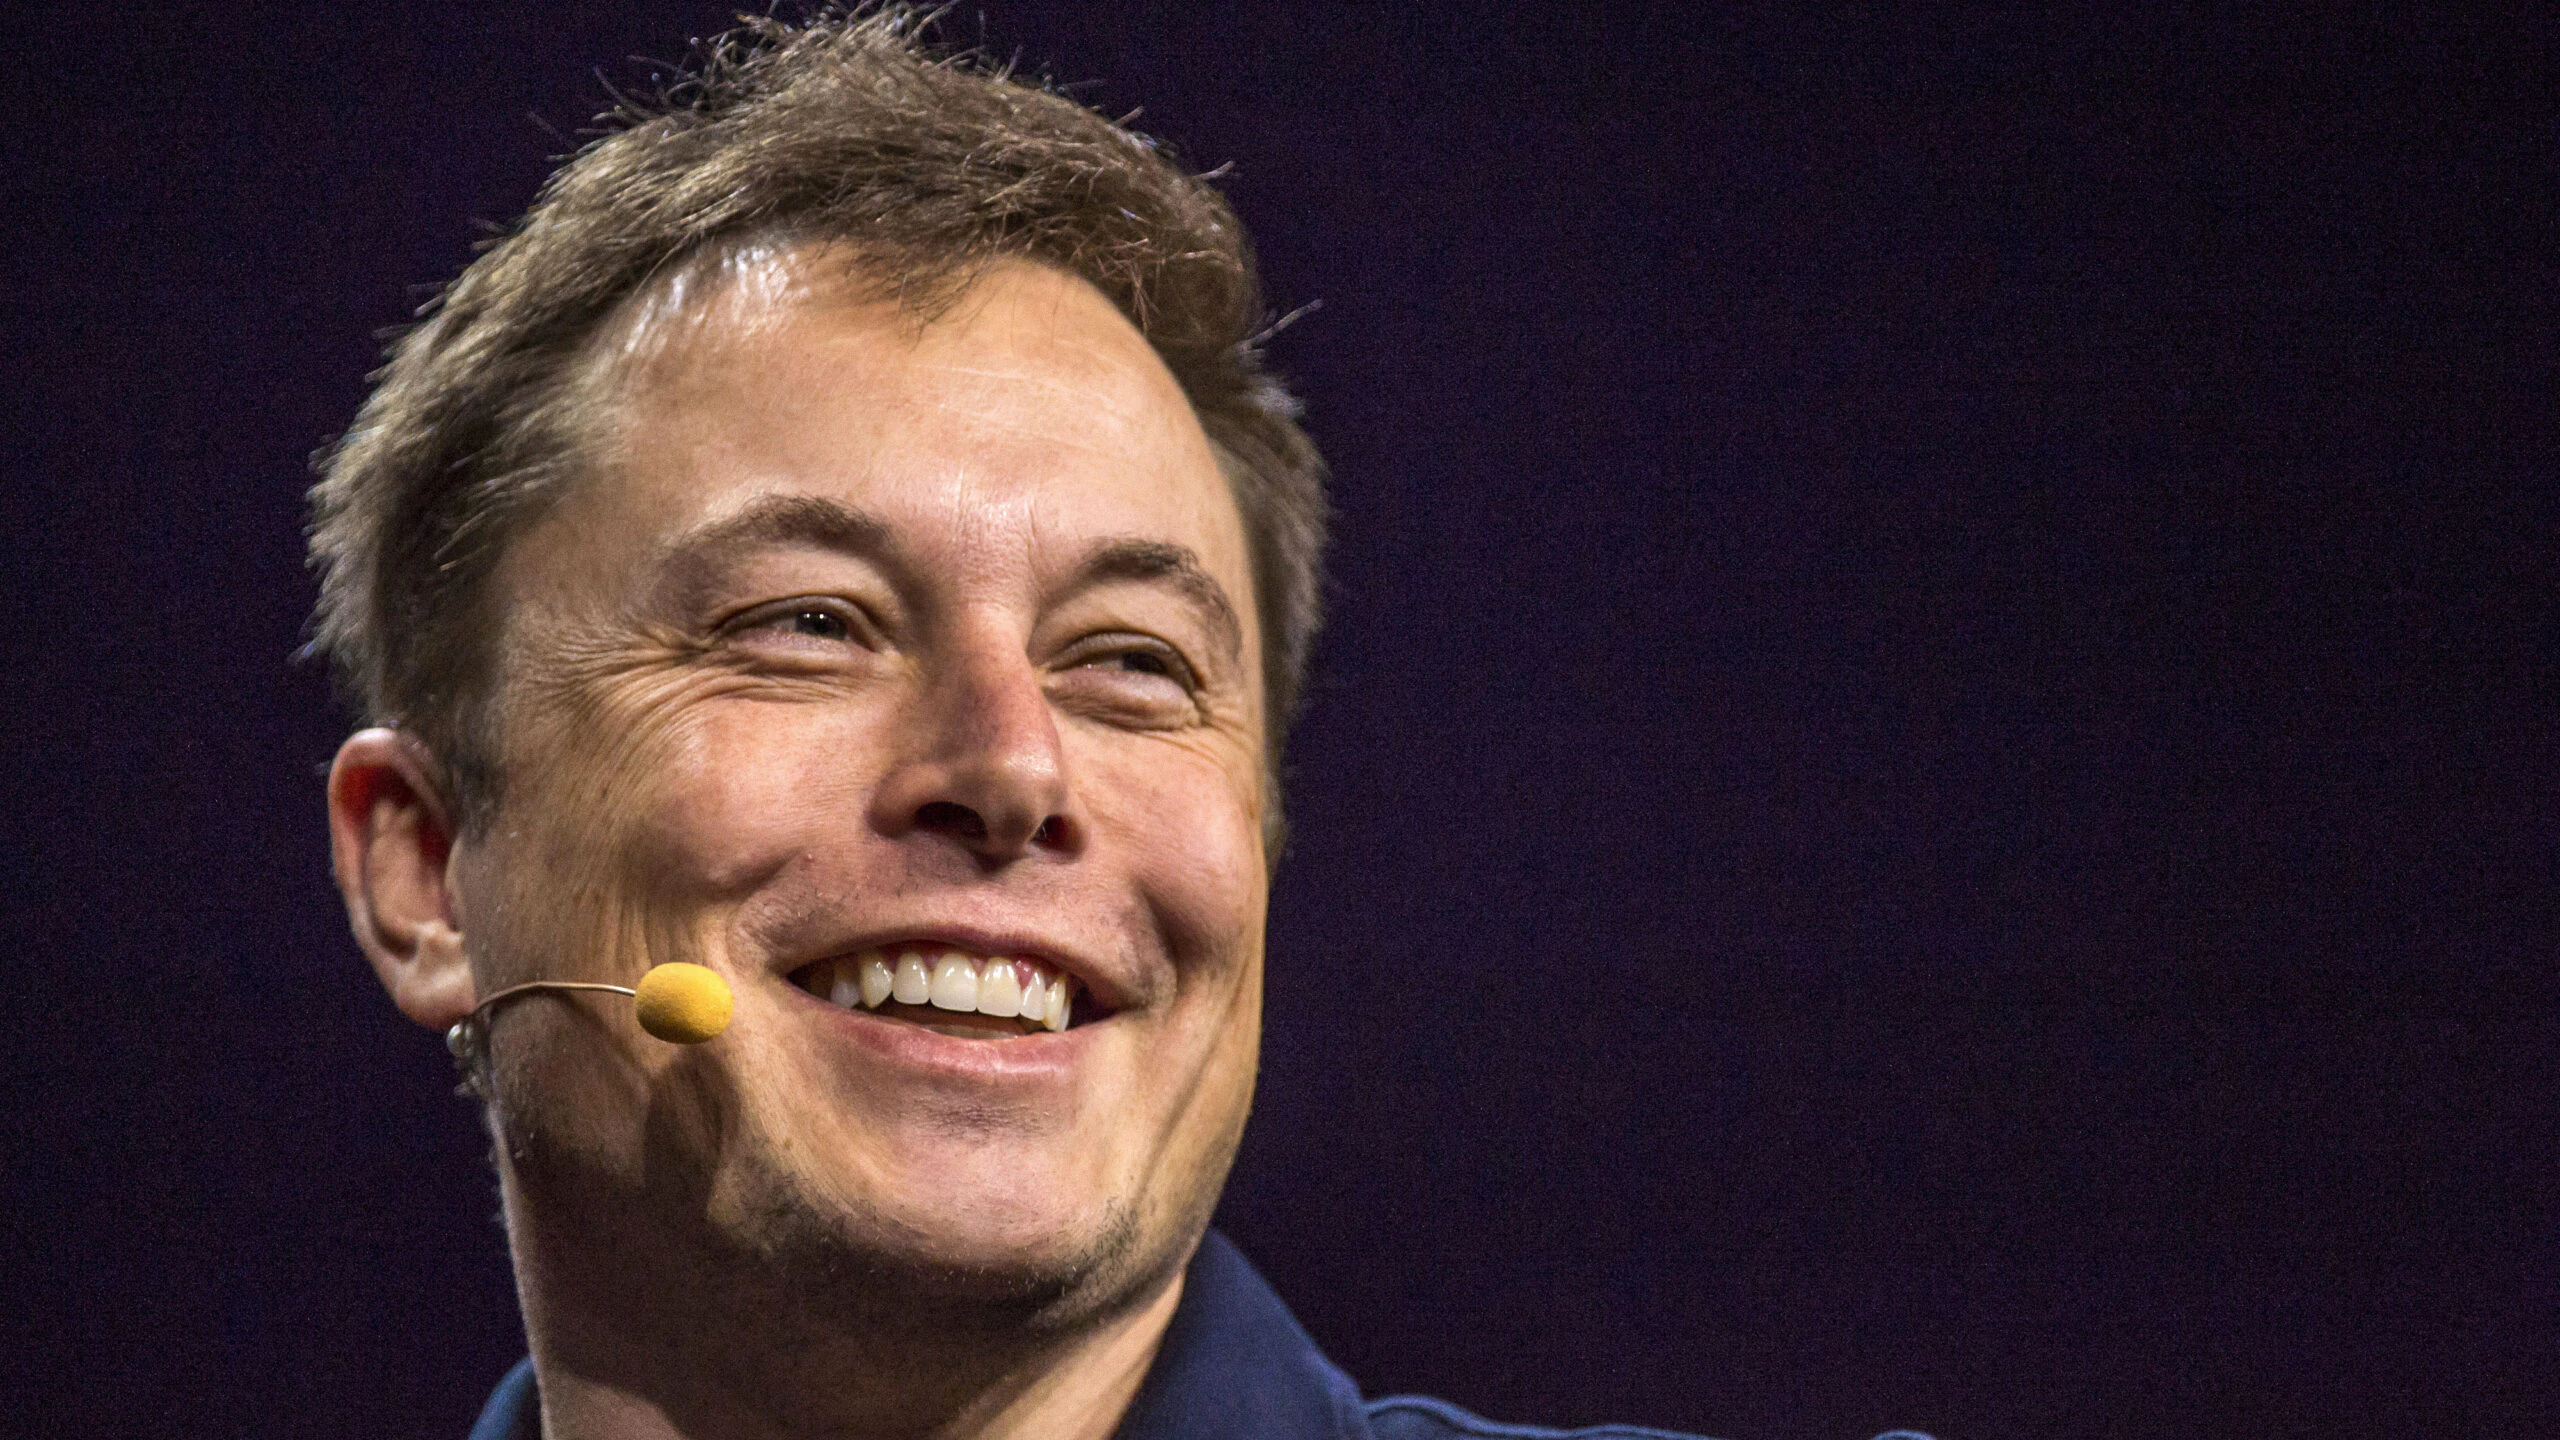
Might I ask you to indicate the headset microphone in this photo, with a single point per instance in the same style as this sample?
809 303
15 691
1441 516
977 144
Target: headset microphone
679 1003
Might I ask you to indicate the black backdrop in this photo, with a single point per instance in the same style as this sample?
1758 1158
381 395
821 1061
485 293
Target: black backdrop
1930 802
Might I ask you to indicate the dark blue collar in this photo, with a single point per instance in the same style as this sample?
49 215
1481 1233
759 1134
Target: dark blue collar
1234 1362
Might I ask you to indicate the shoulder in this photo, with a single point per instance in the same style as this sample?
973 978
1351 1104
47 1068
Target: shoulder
1419 1417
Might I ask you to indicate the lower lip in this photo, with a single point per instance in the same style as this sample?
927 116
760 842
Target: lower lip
1047 1057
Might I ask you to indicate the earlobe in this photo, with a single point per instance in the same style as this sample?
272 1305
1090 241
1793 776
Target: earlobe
391 845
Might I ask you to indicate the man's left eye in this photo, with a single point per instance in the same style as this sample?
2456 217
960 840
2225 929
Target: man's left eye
1154 660
1130 680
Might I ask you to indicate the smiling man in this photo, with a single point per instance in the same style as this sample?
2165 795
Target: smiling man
844 539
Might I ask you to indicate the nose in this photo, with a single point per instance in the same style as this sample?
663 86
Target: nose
980 764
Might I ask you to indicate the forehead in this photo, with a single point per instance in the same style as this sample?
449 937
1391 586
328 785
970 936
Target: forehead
1026 415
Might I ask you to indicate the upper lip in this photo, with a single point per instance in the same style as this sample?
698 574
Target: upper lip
1104 992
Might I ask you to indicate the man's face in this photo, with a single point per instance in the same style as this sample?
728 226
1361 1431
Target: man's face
875 640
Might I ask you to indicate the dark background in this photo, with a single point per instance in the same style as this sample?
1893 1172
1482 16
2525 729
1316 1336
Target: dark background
1930 801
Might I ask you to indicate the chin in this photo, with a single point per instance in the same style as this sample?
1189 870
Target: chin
1005 1268
953 1231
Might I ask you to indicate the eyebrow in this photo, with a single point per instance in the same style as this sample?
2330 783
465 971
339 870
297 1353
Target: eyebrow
1157 562
693 560
790 520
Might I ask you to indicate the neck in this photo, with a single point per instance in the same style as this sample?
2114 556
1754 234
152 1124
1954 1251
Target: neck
706 1348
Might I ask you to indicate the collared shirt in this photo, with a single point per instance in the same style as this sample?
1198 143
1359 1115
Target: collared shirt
1233 1364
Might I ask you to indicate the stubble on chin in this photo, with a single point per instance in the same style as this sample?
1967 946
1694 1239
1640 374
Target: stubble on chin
851 1272
782 1259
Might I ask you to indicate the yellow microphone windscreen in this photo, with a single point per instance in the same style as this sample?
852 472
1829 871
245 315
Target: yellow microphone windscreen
683 1004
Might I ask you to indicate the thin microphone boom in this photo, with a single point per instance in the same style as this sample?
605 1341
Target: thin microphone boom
679 1003
478 1010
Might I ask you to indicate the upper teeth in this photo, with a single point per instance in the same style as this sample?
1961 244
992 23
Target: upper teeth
947 980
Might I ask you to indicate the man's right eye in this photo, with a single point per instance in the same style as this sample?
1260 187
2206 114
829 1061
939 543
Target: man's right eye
821 624
820 620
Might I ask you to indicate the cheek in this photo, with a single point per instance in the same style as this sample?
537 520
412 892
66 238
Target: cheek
1189 825
749 789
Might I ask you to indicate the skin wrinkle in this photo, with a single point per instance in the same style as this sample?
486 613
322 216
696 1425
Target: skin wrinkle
745 290
575 683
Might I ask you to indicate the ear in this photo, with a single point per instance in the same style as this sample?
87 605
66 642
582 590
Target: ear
391 844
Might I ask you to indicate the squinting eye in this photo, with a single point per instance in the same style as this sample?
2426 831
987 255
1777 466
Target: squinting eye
1130 680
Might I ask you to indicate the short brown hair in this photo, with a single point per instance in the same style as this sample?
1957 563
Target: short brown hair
848 129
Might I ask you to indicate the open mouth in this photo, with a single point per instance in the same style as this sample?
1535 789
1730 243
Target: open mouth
951 992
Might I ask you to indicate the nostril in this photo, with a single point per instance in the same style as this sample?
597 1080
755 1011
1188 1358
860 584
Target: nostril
946 818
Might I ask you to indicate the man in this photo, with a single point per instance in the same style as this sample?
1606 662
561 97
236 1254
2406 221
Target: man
844 539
